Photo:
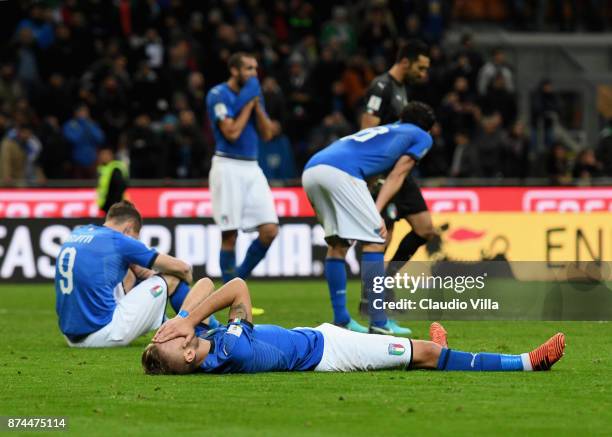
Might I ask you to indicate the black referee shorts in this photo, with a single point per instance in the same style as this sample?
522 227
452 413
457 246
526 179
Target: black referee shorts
408 200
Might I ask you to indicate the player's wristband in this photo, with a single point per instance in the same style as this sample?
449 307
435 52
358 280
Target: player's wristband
183 314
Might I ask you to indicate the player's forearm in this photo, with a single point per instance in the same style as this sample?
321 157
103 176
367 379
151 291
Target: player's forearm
233 295
174 266
198 294
388 190
238 125
264 124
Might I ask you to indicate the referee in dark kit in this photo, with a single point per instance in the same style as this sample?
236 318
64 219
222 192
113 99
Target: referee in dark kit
386 97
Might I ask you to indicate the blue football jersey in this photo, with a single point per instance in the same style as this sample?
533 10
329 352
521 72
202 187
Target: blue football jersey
90 264
374 150
221 104
241 348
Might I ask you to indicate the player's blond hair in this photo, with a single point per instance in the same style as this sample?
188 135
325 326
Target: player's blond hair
152 362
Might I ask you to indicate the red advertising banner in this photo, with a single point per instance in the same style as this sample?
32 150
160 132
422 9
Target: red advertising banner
292 202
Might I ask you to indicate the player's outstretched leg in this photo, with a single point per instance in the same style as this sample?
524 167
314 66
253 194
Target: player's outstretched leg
437 334
541 358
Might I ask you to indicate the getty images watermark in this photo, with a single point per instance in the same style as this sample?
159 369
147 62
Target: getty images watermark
426 283
492 290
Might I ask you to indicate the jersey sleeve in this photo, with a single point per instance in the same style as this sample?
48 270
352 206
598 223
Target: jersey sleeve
419 145
218 107
376 99
136 252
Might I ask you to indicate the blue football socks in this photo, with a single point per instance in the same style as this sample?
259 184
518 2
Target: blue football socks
179 295
227 260
457 360
373 265
335 273
255 253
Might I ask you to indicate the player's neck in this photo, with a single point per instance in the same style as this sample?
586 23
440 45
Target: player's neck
202 351
233 85
394 72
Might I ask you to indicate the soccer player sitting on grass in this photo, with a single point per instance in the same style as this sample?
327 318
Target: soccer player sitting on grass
99 299
241 347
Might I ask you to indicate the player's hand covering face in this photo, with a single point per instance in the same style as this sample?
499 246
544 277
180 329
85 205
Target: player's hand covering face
174 328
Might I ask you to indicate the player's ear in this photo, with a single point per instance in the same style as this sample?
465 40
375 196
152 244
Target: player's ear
189 355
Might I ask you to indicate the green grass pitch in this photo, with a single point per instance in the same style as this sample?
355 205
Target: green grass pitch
104 392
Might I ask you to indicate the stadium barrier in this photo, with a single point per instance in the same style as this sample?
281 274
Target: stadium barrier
516 224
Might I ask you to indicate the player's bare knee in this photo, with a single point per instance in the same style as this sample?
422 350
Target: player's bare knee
205 283
337 251
425 354
267 233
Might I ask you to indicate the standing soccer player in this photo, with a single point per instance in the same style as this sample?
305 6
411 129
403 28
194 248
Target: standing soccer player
385 99
335 182
97 300
241 197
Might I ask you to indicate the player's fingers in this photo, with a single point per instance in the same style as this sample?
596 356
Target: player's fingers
188 339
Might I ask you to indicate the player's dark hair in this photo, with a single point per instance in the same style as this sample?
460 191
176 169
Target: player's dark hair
235 60
123 211
418 113
411 50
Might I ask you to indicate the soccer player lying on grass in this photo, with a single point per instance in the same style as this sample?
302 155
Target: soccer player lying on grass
241 347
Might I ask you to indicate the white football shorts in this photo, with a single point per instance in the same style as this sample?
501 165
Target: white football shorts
139 311
343 204
348 351
241 196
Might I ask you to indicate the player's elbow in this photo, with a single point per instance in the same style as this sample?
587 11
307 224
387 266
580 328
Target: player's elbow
267 135
184 270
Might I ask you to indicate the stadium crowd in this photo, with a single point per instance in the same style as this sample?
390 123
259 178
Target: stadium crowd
79 76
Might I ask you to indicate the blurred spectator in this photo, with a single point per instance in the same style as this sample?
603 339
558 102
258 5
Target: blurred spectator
55 98
499 98
276 157
62 56
112 107
586 166
55 155
377 34
148 89
355 81
84 136
10 88
196 94
436 162
496 66
465 162
192 159
545 108
340 31
112 179
147 154
333 127
558 165
490 142
515 156
27 59
297 89
38 23
19 153
604 149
